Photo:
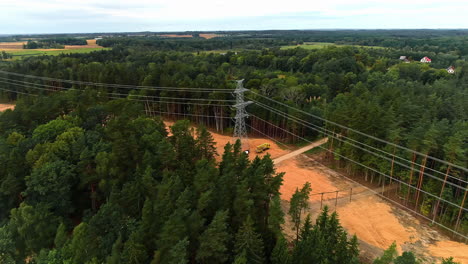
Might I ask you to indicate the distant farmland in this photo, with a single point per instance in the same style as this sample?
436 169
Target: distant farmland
16 49
321 45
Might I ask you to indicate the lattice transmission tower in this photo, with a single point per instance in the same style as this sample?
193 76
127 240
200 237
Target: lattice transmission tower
240 129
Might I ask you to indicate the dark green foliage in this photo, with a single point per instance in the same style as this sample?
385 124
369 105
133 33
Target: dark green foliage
298 204
325 242
406 258
248 244
449 261
388 255
214 240
121 190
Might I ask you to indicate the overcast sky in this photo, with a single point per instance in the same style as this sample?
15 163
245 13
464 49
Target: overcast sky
58 16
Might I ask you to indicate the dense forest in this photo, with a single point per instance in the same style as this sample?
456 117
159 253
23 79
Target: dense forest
86 180
416 105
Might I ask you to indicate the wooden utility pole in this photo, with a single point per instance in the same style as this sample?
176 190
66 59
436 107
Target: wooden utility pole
457 224
440 195
411 178
421 178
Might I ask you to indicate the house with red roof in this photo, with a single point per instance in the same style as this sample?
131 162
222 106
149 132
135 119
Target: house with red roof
426 60
451 70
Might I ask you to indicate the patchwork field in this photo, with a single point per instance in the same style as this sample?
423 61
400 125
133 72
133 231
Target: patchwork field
16 49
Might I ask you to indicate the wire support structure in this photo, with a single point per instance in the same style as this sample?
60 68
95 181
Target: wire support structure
123 86
51 88
361 133
342 139
390 177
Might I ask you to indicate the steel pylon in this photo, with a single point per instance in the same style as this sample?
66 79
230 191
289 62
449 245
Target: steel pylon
240 129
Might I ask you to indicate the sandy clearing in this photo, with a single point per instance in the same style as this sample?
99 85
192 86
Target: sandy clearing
4 107
450 248
296 177
210 36
373 222
221 140
376 223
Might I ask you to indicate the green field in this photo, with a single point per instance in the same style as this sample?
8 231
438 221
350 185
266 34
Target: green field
19 54
321 45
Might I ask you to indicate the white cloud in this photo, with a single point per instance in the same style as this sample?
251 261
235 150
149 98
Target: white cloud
132 15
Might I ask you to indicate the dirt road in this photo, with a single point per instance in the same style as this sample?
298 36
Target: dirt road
300 151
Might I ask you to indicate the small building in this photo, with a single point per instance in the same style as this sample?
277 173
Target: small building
426 60
451 70
404 59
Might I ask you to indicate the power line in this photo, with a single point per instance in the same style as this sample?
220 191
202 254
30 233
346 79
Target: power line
54 88
362 133
305 123
332 134
123 86
363 165
17 92
170 113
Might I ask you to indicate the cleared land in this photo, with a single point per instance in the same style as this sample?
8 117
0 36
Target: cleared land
210 36
4 107
376 222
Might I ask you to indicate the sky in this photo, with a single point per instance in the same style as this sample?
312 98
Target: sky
83 16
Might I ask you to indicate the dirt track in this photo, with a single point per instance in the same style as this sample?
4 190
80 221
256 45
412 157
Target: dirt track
300 151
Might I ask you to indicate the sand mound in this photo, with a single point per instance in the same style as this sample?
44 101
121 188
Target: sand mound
373 222
458 251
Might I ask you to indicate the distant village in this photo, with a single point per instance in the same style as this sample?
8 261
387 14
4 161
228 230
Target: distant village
450 70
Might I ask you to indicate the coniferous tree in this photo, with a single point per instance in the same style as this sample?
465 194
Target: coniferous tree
214 240
249 243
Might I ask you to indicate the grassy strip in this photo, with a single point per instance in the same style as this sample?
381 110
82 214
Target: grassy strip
28 53
321 45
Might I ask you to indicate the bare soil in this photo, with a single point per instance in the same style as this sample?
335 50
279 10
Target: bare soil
4 107
221 140
210 36
376 222
6 46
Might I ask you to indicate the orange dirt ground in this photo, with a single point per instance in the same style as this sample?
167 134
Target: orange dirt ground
296 177
209 36
222 140
380 228
376 223
4 107
457 250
